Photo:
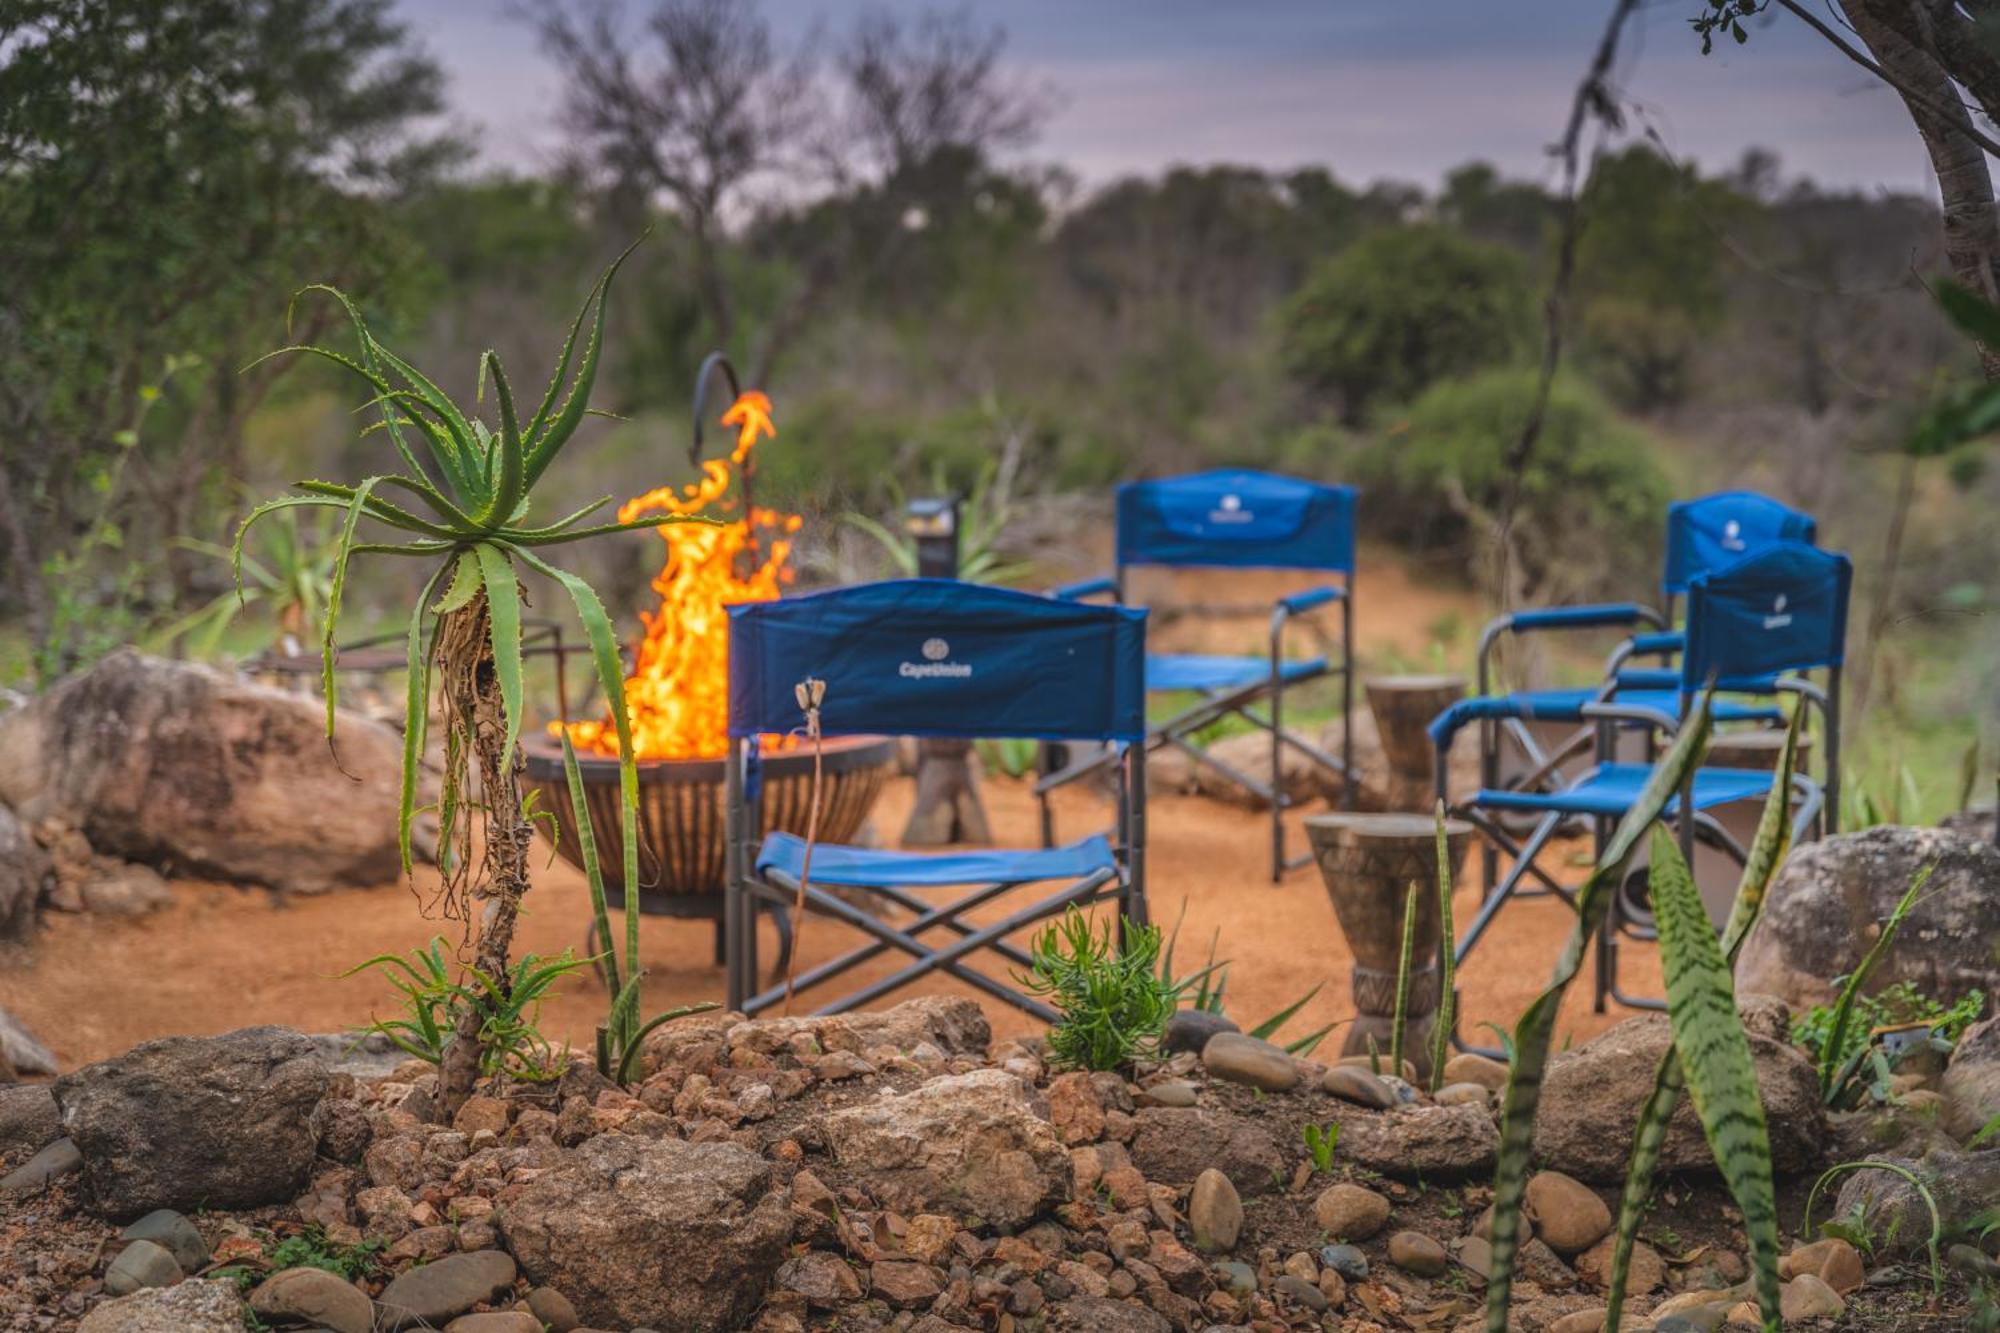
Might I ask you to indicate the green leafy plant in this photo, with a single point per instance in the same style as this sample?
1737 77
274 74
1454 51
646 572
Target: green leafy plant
1111 1001
1320 1140
1447 1010
1204 990
1011 755
1916 1183
501 1013
474 485
1534 1033
1834 1045
983 515
1859 1053
621 1035
1399 1020
310 1248
291 583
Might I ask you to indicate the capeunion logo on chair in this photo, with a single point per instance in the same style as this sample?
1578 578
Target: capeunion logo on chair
1779 617
937 654
1229 509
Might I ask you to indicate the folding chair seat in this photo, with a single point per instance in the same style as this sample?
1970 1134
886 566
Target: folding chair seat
1756 625
1237 519
931 657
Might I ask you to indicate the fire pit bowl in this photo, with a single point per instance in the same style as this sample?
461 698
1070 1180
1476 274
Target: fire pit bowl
681 841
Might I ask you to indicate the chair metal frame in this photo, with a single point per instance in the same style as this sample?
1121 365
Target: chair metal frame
748 888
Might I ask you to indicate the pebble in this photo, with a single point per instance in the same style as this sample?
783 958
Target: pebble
1406 1092
1237 1277
1172 1092
1215 1213
141 1264
1332 1286
437 1292
1700 1319
1190 1029
38 1172
1461 1094
904 1284
1350 1212
1475 1255
1300 1265
1360 1087
1971 1262
496 1321
313 1296
1643 1275
1251 1060
1301 1292
1469 1068
168 1229
1580 1321
1807 1297
1833 1261
1345 1260
1414 1252
1568 1214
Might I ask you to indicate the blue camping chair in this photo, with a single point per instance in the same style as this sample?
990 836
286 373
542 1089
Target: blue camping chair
931 657
1236 519
1703 534
1752 626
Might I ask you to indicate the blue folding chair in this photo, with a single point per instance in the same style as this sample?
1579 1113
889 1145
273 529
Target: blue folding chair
1237 519
1752 626
931 657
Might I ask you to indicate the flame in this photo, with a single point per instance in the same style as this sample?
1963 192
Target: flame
678 693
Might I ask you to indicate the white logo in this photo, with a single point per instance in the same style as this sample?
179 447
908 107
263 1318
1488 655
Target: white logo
936 650
1232 502
1229 509
934 665
1732 537
1778 619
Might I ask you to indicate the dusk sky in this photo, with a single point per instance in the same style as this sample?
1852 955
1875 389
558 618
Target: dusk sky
1399 89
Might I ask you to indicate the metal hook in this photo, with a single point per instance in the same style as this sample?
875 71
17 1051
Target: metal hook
714 361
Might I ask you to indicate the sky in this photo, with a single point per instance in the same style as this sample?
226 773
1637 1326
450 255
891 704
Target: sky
1374 89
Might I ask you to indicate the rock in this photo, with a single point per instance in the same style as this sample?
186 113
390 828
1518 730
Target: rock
1806 1297
1414 1252
1971 1082
1359 1086
1074 1108
1589 1320
1168 1092
367 1055
928 1236
824 1280
1215 1213
29 1121
1462 1094
1429 1141
653 1231
1475 1254
49 1165
1190 1029
176 765
1301 1292
1895 1214
1250 752
1345 1260
1591 1098
1097 1314
1643 1275
21 1050
1827 901
1239 1278
313 1296
963 1142
1174 1145
1833 1261
1544 1267
173 1233
435 1293
141 1264
25 877
1249 1060
196 1122
952 1025
199 1305
1469 1068
123 888
1350 1212
904 1284
1567 1215
495 1321
553 1309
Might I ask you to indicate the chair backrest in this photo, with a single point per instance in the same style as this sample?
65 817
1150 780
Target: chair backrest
936 657
1238 519
1718 530
1779 609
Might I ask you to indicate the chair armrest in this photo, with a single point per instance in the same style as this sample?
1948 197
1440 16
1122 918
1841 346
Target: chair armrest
1100 586
1612 711
1659 641
1581 617
1300 602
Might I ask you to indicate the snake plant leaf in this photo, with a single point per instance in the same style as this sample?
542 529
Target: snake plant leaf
416 717
1715 1059
593 871
503 610
1534 1033
1447 1010
1843 1008
637 1041
1767 853
1399 1021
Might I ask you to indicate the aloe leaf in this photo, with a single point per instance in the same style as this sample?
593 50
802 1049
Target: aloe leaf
1307 1044
416 718
1715 1059
508 489
369 370
458 430
556 430
1843 1009
593 873
1270 1025
266 508
1447 1010
1535 1031
560 525
343 548
466 581
1767 853
639 1037
503 607
635 525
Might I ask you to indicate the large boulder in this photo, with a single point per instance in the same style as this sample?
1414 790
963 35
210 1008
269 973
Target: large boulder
25 876
966 1143
197 1122
1829 898
1895 1216
189 770
1971 1084
639 1232
1592 1095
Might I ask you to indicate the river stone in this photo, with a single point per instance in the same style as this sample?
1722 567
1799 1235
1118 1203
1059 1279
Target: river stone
1827 901
1591 1098
495 1321
1567 1214
1350 1212
1646 1272
1360 1087
1346 1260
313 1296
1414 1252
641 1231
1806 1297
43 1169
1168 1092
1433 1142
1174 1145
168 1229
1301 1292
434 1293
141 1264
1215 1213
199 1305
22 1050
1832 1260
197 1122
1467 1067
1190 1029
553 1309
1243 1059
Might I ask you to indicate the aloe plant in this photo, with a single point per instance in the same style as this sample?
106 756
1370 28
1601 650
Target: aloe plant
1534 1033
1843 1008
474 482
1767 852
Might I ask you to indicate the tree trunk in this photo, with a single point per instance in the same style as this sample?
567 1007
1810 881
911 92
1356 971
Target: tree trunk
496 902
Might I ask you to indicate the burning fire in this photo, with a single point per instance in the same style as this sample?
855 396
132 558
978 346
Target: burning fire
678 694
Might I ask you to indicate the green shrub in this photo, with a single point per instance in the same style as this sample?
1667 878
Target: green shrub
1112 1003
1401 309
